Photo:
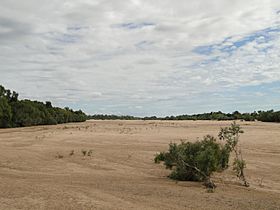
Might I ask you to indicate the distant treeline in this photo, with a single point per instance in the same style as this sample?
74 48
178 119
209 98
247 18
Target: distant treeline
21 113
112 117
264 116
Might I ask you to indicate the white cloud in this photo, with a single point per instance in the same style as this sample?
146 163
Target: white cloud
99 52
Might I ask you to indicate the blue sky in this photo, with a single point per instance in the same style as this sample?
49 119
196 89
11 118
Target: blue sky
142 57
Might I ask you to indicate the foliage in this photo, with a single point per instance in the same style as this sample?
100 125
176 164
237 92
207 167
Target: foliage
238 166
20 113
231 136
265 116
5 113
213 116
269 116
195 161
112 117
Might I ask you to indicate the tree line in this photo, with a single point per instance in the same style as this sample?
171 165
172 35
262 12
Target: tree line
112 117
264 116
21 113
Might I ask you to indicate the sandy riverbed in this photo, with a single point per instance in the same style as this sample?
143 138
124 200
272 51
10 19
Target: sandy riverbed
120 173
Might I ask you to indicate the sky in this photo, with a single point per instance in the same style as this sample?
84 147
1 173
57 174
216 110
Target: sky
143 57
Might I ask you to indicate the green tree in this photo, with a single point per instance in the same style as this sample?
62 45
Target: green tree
48 104
5 113
231 136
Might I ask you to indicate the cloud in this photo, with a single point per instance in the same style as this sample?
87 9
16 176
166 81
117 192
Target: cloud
163 56
11 29
231 44
132 26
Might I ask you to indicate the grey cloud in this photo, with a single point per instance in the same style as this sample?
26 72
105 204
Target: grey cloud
11 29
147 61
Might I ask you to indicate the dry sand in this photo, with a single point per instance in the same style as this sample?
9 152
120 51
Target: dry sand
121 174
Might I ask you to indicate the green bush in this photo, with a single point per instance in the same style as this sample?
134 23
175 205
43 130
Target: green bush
195 161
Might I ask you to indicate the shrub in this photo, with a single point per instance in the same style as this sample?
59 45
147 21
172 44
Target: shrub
231 136
89 153
59 156
195 161
84 152
71 153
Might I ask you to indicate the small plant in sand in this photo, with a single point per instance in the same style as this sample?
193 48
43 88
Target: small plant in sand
59 156
231 136
71 153
89 153
84 152
199 160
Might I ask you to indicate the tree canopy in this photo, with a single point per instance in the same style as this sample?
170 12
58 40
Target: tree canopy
21 113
